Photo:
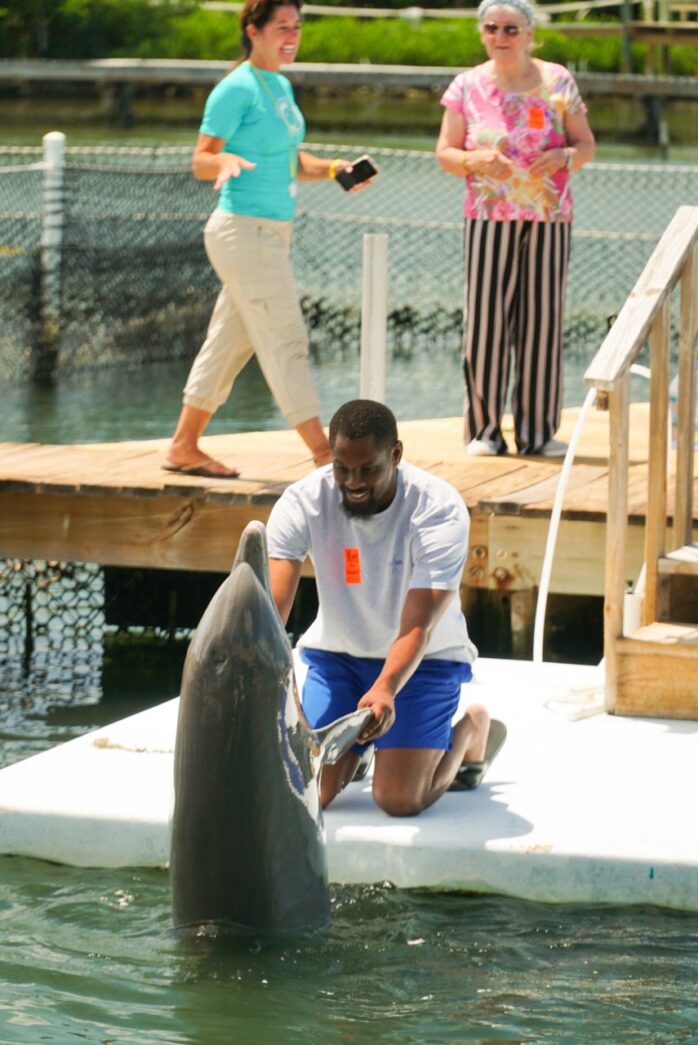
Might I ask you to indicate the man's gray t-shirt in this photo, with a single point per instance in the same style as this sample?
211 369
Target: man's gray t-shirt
364 567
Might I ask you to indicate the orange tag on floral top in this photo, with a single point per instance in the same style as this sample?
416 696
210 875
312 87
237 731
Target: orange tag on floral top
536 118
352 566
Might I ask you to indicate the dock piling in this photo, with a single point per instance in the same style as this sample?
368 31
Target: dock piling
374 316
51 250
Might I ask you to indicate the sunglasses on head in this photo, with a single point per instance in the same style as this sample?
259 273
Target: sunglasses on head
491 28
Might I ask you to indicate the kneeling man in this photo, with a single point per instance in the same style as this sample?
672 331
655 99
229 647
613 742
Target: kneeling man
388 542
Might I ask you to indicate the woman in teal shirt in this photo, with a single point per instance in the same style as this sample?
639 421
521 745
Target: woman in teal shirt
249 147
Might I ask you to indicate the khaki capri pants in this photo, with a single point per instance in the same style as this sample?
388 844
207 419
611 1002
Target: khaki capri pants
257 313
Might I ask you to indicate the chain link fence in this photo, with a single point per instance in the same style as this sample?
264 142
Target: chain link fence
131 283
51 646
60 624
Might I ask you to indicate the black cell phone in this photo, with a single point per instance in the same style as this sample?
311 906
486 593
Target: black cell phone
361 170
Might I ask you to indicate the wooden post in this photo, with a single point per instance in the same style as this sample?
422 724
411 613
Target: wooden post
374 317
616 527
686 428
655 526
51 249
522 615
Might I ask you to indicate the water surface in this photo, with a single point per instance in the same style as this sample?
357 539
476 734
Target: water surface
89 956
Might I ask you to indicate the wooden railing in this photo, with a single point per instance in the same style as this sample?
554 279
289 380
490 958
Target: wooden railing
647 314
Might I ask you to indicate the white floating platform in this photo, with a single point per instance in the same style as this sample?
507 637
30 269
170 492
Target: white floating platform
599 809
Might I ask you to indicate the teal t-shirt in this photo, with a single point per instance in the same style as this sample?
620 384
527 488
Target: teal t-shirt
256 113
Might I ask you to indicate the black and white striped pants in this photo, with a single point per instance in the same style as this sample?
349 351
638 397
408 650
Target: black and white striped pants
515 277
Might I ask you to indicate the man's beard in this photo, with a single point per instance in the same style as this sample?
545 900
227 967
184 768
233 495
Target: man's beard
363 510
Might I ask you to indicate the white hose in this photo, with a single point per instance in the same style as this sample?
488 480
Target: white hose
542 603
546 571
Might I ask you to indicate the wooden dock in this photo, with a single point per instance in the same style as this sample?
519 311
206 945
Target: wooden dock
113 504
118 79
193 72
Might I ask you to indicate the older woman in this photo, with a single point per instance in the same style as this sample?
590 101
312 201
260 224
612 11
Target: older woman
514 127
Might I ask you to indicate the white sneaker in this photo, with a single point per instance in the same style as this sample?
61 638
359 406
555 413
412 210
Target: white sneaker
482 448
553 448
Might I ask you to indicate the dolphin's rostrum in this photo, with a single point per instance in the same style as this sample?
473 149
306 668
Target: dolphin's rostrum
247 849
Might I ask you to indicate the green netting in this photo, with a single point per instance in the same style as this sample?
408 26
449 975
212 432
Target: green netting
20 238
135 285
51 638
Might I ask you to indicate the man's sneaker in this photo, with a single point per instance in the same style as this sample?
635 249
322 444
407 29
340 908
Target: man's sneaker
482 448
553 448
364 764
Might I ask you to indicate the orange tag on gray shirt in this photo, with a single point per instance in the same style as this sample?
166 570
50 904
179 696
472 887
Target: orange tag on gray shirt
352 566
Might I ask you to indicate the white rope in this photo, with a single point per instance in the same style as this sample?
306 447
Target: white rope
21 168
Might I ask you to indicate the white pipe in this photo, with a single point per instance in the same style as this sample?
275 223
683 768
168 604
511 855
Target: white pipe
51 251
374 316
544 587
546 571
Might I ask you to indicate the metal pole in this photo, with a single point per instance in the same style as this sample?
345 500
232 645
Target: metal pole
374 316
51 250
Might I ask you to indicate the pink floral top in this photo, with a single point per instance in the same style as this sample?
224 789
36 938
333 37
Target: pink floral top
522 126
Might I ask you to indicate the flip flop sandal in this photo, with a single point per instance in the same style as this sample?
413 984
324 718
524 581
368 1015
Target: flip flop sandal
470 774
202 470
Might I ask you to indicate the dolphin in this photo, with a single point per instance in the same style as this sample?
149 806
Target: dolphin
247 850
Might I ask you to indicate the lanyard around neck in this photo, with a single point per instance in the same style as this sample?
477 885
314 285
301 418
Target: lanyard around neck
277 104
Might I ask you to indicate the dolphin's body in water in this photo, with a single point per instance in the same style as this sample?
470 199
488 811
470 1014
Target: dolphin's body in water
247 848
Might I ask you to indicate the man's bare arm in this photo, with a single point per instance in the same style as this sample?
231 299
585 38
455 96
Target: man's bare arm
423 608
284 575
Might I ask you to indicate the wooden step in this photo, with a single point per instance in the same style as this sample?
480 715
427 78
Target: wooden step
683 561
677 586
657 672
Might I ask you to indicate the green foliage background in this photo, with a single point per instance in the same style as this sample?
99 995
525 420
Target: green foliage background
181 29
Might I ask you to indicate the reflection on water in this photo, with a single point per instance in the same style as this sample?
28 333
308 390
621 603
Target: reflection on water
143 403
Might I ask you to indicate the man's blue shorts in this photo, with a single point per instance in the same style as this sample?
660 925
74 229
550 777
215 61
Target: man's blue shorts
424 707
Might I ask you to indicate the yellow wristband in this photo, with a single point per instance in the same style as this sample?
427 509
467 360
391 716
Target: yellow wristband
332 170
465 161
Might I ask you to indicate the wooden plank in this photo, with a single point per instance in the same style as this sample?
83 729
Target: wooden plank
206 73
616 533
688 336
684 34
116 467
484 490
655 528
517 548
475 572
542 493
658 672
656 687
667 635
681 561
170 532
631 329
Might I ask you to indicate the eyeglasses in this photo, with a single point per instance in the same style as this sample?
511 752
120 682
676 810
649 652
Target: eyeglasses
491 29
